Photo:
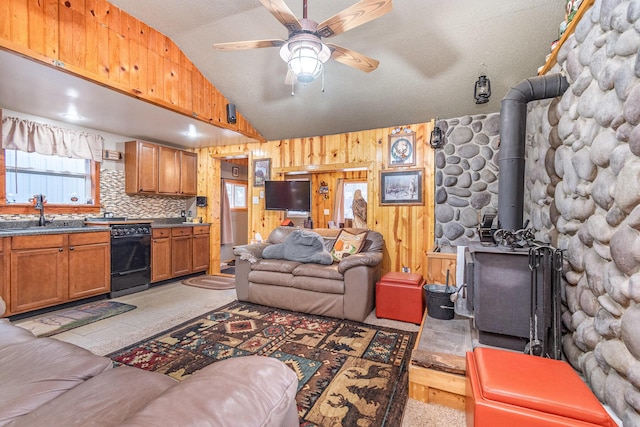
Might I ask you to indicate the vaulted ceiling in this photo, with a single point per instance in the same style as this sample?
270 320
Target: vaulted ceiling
431 52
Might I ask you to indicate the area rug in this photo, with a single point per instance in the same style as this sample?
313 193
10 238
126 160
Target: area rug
211 282
74 317
350 373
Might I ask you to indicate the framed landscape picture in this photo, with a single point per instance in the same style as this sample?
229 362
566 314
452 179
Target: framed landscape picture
261 172
402 187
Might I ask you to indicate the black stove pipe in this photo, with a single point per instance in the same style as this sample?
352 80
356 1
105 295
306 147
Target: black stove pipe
513 118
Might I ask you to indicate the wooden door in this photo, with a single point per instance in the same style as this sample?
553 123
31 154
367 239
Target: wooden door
89 264
188 173
161 255
169 170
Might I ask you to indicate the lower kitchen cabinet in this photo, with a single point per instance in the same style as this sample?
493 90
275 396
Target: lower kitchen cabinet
160 254
89 264
50 269
178 251
200 248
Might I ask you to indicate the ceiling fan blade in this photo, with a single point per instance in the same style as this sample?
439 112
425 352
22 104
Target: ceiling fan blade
281 11
353 16
249 44
352 59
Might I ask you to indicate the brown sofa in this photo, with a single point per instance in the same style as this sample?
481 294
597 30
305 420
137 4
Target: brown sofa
345 289
46 382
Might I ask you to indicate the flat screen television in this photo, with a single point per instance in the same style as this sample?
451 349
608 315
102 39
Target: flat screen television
287 195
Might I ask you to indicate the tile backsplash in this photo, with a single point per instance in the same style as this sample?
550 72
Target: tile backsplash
114 199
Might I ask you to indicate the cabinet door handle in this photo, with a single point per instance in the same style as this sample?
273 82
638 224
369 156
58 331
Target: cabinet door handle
60 249
71 248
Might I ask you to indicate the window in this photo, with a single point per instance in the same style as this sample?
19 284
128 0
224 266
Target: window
237 194
63 180
70 185
349 189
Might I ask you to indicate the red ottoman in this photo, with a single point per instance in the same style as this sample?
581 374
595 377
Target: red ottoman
505 388
399 297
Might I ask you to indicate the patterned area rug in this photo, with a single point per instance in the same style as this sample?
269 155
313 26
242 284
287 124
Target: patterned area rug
74 317
211 282
349 373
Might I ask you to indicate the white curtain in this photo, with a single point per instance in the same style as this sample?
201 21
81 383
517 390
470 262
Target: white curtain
226 229
338 203
49 140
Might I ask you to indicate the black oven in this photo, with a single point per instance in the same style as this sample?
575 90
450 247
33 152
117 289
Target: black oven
130 258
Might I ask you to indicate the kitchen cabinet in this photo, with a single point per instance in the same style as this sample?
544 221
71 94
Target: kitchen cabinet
169 166
181 251
89 264
156 169
141 167
200 248
160 254
51 269
178 251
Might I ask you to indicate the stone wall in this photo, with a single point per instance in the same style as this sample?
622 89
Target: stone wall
466 178
582 191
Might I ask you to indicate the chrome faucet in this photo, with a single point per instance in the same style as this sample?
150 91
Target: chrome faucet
40 198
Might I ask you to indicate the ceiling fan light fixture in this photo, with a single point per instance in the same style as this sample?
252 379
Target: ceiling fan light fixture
305 57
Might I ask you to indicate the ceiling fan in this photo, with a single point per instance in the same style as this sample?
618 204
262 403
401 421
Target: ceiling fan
304 51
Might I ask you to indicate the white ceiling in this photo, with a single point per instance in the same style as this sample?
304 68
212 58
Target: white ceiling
430 52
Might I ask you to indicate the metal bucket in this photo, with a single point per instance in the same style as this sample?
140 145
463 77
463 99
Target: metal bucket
439 304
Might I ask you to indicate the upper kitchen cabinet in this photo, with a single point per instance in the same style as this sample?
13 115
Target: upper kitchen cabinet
155 169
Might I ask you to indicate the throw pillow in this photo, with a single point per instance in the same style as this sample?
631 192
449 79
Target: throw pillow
346 244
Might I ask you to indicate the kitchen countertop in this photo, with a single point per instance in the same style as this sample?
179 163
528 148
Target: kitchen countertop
31 231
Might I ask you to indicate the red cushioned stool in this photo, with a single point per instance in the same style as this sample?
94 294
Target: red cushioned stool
399 297
505 388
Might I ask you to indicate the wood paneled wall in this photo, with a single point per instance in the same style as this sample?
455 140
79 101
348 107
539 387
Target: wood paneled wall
408 230
97 41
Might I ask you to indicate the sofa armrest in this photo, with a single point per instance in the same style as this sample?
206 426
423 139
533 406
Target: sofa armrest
251 253
369 259
238 392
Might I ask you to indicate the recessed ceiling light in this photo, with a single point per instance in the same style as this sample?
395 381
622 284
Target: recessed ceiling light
192 132
72 116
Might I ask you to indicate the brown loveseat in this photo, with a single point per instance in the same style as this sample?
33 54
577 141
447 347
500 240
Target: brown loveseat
345 289
46 382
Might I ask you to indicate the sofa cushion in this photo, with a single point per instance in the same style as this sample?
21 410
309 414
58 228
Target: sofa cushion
315 284
240 392
275 265
37 371
104 400
320 271
271 278
347 243
11 335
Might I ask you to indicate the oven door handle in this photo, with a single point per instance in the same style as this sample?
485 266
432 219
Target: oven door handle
137 270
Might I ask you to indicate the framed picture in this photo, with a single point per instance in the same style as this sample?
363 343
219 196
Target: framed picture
402 187
235 171
402 149
261 172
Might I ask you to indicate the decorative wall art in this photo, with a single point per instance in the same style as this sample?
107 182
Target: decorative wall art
261 172
402 148
402 187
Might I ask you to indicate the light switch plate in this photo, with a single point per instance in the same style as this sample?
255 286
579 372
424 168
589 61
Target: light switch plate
326 211
262 194
256 200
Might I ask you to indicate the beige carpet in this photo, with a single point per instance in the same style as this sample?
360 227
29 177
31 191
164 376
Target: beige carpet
211 282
